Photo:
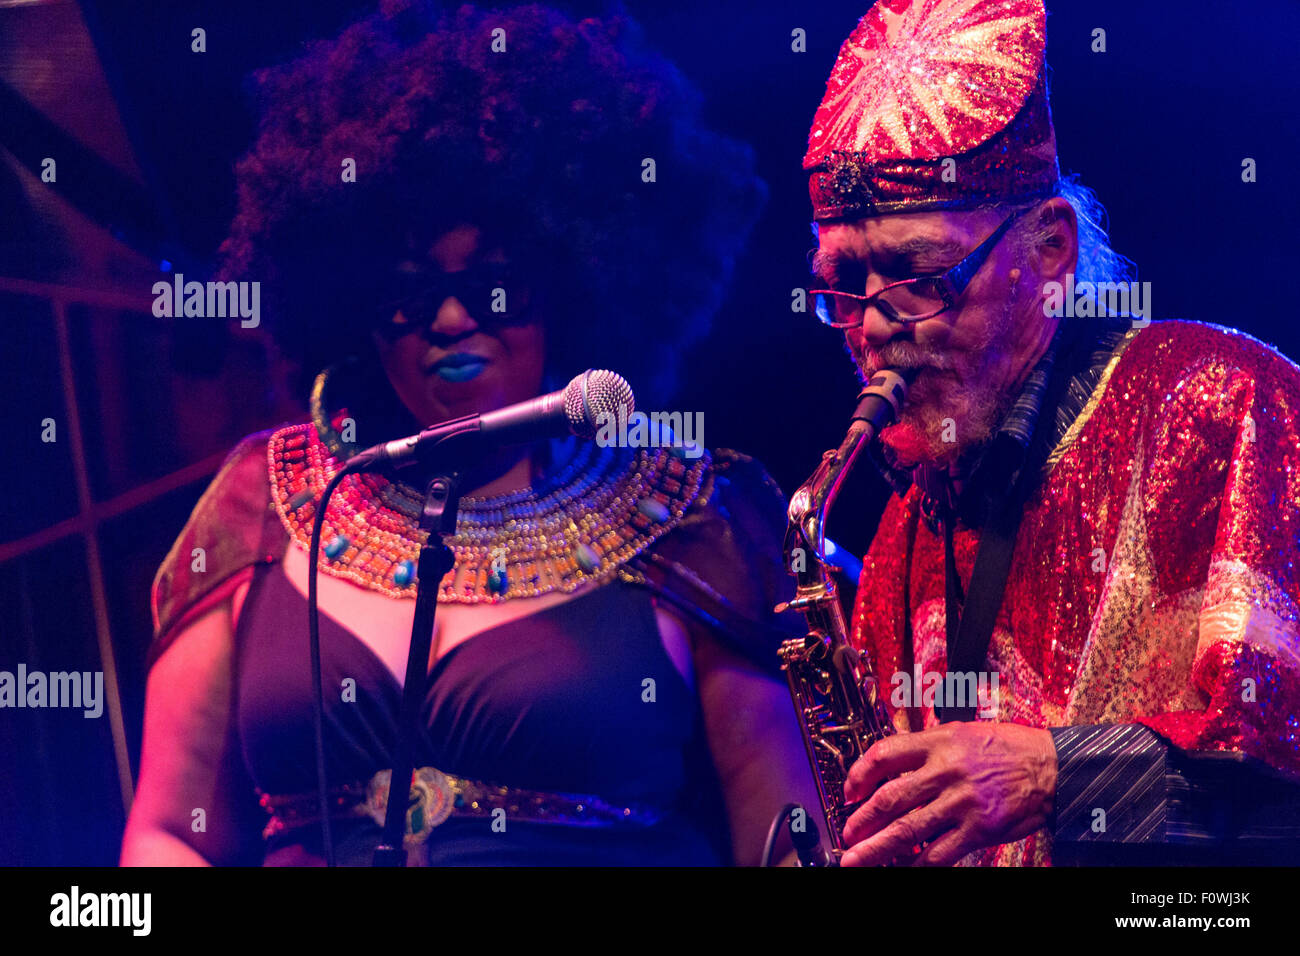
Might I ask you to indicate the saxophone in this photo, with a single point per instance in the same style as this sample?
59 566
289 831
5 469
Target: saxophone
833 686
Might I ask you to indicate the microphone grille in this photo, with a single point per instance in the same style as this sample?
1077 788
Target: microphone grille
594 395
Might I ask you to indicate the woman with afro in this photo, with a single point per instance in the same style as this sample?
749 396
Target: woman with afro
452 211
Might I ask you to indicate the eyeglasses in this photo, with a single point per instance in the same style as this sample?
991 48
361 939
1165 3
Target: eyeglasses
909 300
494 293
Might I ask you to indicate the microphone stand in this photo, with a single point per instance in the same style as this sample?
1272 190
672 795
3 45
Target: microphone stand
437 519
593 392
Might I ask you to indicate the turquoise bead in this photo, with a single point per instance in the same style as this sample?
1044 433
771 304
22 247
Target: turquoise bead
336 547
404 574
653 508
587 558
497 581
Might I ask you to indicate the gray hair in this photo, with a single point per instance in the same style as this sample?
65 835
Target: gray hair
1098 262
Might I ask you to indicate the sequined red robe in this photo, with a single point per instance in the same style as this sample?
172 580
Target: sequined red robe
1154 576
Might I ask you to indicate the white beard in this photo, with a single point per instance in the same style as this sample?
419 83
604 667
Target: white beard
945 416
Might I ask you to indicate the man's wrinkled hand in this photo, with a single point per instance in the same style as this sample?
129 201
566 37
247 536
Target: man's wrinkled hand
953 788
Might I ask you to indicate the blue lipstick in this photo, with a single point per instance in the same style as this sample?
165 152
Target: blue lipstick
459 367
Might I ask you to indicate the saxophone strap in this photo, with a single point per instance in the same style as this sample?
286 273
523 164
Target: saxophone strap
970 623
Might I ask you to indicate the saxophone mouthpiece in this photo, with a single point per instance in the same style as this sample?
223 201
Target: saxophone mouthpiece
880 403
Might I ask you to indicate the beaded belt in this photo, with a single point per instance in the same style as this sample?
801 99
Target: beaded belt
436 796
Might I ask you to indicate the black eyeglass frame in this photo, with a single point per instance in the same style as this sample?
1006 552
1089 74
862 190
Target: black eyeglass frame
950 284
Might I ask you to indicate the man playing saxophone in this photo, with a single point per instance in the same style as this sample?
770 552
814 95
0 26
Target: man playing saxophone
1099 511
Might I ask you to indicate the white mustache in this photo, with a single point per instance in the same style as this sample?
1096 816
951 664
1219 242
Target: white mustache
906 355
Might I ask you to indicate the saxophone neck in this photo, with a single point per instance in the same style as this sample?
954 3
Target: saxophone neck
879 404
811 504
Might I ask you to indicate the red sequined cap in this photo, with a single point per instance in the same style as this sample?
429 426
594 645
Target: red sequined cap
934 104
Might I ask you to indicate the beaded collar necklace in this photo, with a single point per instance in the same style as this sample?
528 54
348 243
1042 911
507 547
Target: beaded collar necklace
579 524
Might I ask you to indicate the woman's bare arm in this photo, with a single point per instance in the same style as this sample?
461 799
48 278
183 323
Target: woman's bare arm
190 758
756 745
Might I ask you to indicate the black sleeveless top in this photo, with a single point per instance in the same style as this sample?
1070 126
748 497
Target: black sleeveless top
552 702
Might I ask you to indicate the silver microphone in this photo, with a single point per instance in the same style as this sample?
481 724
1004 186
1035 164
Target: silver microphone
577 409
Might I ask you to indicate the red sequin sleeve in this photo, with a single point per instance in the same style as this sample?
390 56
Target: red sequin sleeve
1225 466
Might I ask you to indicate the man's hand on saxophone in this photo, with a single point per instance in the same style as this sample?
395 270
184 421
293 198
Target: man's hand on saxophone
953 788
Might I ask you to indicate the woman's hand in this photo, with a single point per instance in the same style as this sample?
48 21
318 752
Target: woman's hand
957 787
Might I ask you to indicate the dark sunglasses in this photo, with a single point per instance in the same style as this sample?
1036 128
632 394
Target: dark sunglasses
494 294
